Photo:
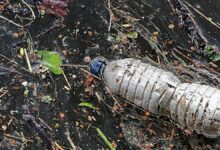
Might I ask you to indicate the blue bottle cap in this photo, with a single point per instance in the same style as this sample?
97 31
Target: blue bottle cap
97 65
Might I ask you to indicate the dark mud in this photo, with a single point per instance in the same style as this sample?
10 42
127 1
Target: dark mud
84 32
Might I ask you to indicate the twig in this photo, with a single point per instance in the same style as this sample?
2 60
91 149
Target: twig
101 99
12 22
196 63
107 88
56 23
45 124
74 65
113 97
146 34
178 58
19 138
158 59
4 93
70 140
13 62
19 25
28 61
1 8
66 80
58 146
200 13
111 15
88 73
32 12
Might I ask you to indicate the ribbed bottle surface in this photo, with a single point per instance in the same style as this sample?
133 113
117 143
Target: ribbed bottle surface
197 107
142 84
192 106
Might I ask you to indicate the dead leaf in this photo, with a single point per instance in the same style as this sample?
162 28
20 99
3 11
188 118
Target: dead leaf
89 80
114 144
62 115
164 135
123 39
172 134
146 113
187 132
90 33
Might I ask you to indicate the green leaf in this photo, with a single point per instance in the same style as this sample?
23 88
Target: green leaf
117 39
86 104
46 99
51 60
101 134
132 35
216 58
208 50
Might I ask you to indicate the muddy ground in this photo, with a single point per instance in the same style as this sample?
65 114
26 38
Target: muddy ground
148 30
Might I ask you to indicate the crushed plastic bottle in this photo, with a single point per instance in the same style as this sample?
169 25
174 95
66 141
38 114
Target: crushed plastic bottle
192 106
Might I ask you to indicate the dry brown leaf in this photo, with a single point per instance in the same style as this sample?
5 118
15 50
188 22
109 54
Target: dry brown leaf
172 134
62 115
89 80
90 33
187 132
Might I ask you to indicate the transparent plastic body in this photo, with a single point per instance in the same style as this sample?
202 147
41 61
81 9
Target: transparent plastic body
192 106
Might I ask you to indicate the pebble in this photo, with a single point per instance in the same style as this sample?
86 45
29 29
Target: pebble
87 59
25 83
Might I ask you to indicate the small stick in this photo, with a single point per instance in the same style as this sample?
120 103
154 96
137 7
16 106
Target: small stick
13 62
107 88
19 138
58 146
74 65
10 21
10 121
4 93
196 63
158 59
113 97
28 61
100 99
44 123
66 80
89 73
200 13
70 140
32 12
1 8
111 15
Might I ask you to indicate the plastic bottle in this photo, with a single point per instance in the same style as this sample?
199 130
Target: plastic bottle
192 106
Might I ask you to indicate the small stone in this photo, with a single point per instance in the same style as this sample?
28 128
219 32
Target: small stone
15 34
74 76
89 118
171 26
4 127
87 59
25 83
57 125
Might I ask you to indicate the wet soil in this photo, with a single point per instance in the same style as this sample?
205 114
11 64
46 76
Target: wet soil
84 32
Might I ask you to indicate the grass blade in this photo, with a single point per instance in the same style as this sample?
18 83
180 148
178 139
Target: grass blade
101 134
